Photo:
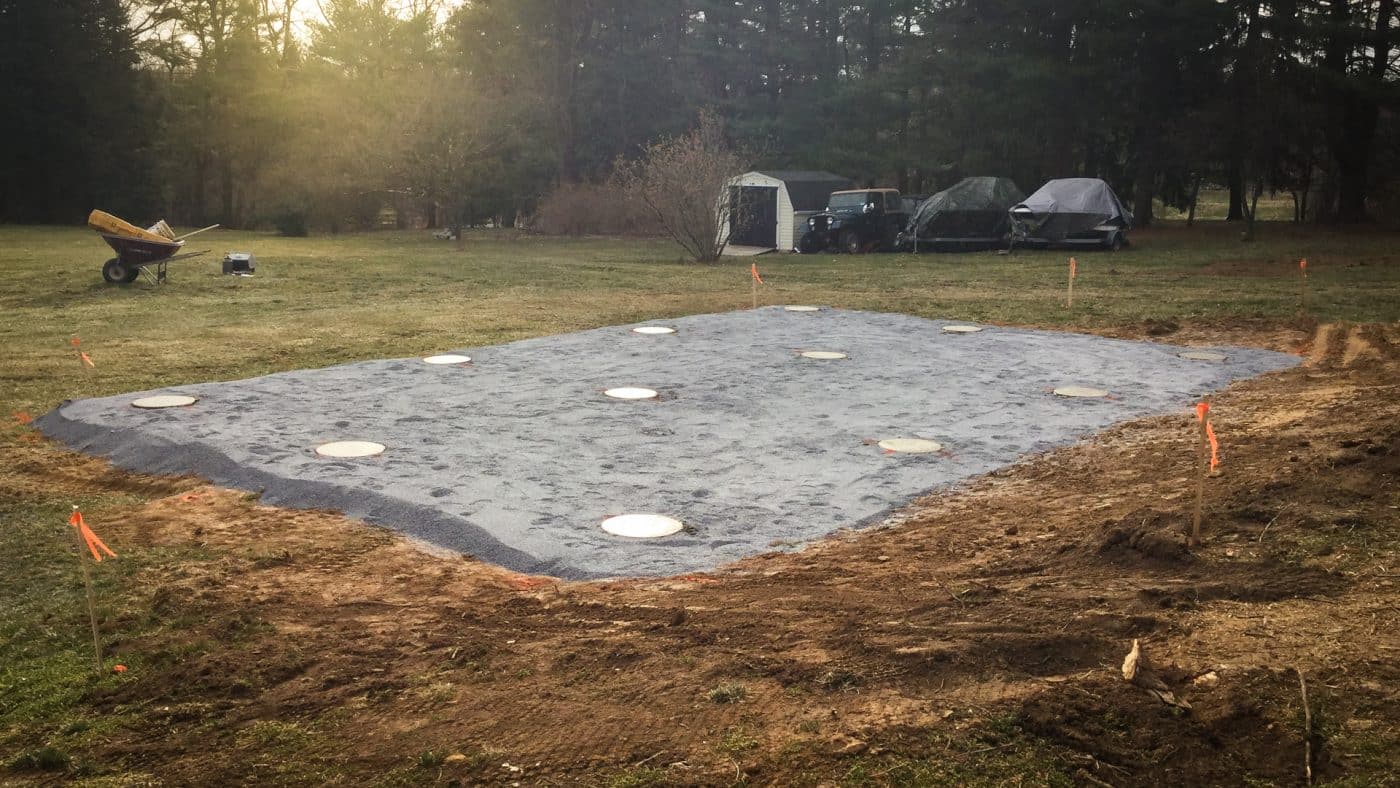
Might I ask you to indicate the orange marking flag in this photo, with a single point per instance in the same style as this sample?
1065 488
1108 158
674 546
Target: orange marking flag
1073 268
1202 414
1303 266
83 358
89 538
753 269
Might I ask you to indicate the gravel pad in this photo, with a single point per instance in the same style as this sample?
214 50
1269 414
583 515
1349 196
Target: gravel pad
518 457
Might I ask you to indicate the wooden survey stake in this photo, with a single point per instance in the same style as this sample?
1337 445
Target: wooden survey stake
87 540
1303 284
1073 272
755 281
1207 459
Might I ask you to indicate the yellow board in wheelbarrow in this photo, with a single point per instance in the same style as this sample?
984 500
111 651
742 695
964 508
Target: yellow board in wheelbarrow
108 224
137 248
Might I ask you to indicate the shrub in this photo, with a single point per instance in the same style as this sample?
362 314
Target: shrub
290 222
592 209
683 181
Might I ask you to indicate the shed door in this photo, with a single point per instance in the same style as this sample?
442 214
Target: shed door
754 216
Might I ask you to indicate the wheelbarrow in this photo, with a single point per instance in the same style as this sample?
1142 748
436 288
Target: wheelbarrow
140 252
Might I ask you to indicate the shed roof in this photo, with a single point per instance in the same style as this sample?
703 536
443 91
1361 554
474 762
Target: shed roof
789 176
809 189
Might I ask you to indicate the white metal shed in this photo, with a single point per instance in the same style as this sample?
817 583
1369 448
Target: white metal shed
775 205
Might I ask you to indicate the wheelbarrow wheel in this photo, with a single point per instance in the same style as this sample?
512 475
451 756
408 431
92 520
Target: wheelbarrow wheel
114 271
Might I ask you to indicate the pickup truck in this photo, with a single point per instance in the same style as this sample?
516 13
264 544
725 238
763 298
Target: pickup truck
860 220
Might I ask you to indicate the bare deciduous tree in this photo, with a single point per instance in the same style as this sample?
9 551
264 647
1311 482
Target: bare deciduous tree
683 182
450 147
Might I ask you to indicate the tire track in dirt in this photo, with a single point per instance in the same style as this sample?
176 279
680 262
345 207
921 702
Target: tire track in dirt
1327 342
1385 339
1344 345
1356 347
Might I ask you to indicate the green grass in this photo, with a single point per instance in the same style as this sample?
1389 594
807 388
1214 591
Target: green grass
728 693
320 301
317 301
1215 204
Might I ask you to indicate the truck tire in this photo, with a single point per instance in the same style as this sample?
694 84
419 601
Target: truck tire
810 244
1115 242
850 242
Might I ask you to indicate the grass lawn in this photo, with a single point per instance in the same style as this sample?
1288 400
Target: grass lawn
324 300
319 301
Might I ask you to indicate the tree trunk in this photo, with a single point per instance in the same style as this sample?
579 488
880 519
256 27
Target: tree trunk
1237 195
1142 202
772 22
201 174
226 208
1356 109
1307 192
1195 195
459 226
1351 185
1252 211
1244 89
875 19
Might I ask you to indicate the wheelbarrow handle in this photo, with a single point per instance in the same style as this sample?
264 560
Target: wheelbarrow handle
196 232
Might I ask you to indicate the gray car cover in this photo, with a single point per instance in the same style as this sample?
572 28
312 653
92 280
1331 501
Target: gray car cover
973 209
1066 207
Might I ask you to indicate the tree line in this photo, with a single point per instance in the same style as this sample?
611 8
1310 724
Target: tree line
324 114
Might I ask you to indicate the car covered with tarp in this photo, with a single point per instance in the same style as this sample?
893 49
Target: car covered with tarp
1071 212
971 214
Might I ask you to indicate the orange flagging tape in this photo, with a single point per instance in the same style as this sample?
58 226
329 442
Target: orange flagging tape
93 543
86 359
1303 266
1202 410
753 269
1073 268
75 341
525 582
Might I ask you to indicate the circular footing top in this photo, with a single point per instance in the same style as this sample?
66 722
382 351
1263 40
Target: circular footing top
801 308
447 358
653 330
823 355
910 445
1080 391
1202 355
961 329
641 526
631 392
350 449
164 401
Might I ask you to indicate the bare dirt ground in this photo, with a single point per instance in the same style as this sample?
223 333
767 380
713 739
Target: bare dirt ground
977 640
